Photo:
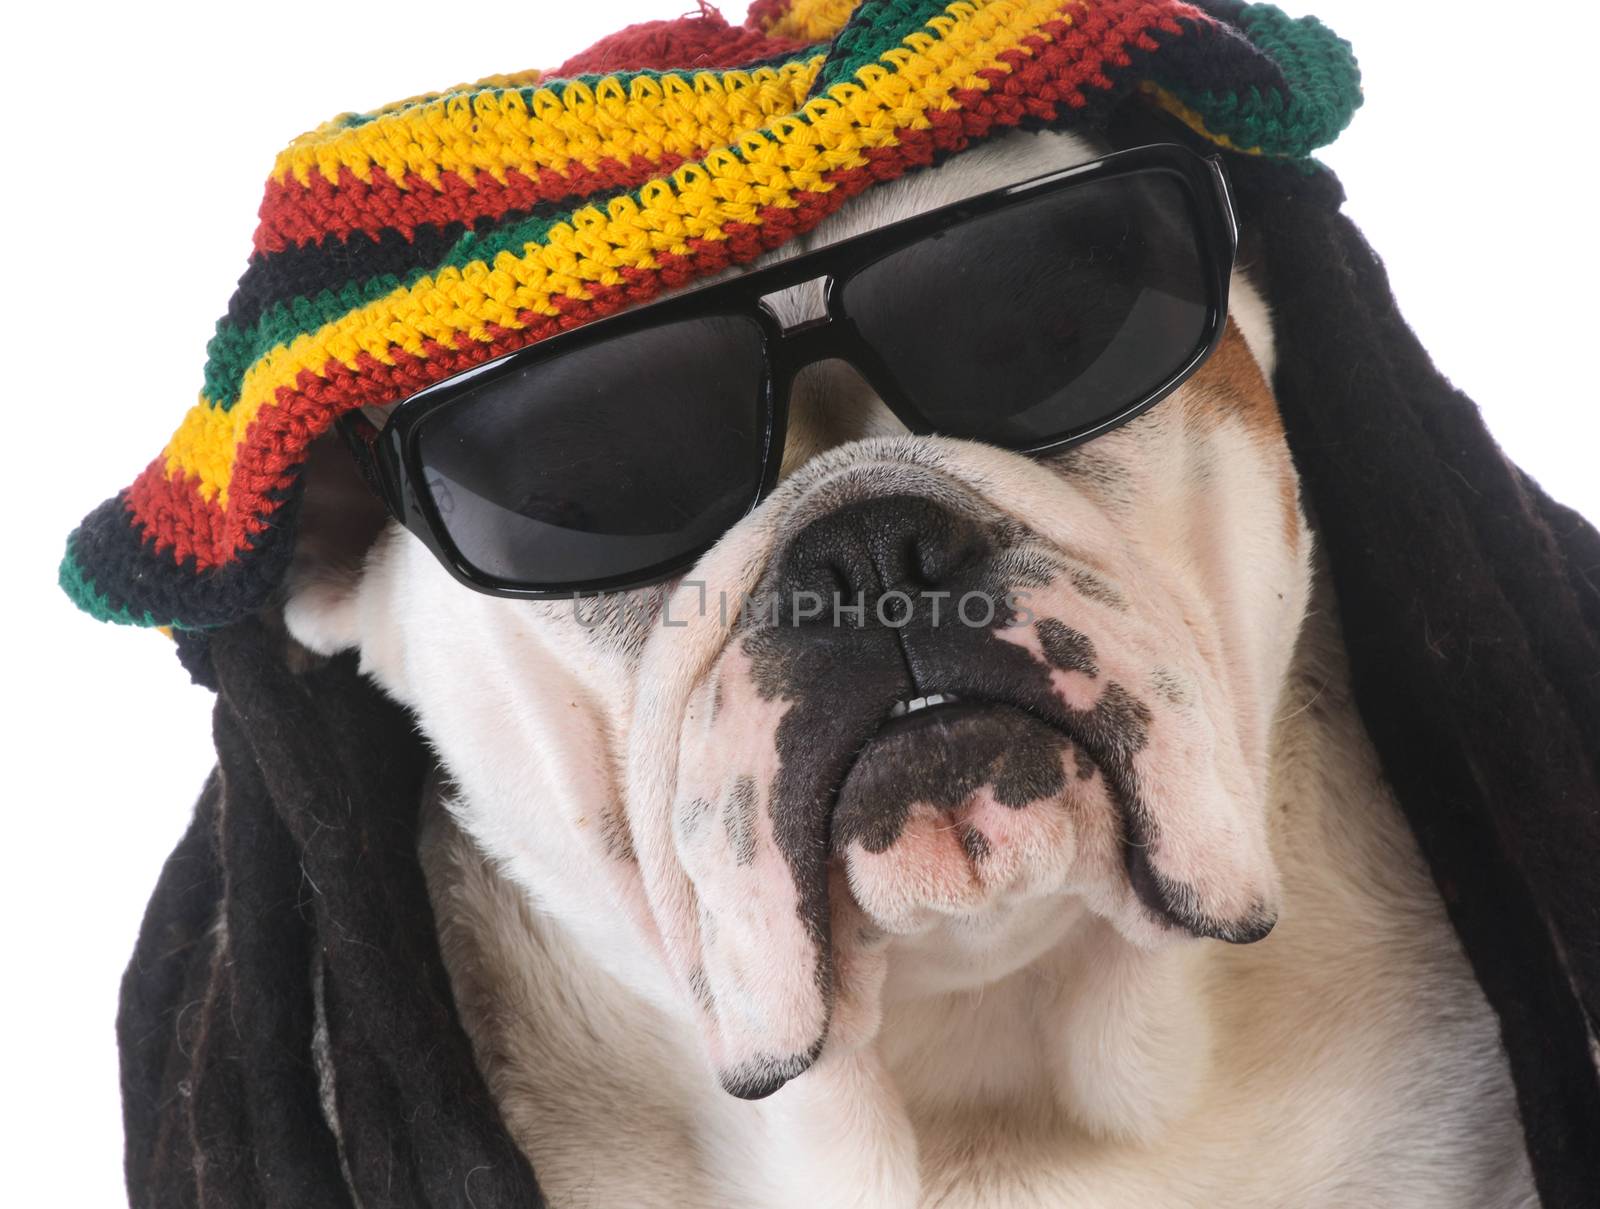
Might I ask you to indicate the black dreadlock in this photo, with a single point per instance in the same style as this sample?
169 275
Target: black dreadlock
1469 602
300 870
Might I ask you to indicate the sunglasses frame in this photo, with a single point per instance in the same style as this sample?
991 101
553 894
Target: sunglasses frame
389 456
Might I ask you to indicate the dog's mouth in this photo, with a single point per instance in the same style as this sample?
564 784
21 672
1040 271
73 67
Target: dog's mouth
942 718
939 750
913 712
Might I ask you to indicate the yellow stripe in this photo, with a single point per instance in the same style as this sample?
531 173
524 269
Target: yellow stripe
1191 118
514 79
811 20
494 130
791 156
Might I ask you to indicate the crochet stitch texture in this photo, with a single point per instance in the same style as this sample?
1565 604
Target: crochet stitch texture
401 246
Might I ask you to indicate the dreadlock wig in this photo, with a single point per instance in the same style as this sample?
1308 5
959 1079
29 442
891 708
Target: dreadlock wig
399 246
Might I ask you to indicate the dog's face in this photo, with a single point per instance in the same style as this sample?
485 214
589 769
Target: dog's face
731 787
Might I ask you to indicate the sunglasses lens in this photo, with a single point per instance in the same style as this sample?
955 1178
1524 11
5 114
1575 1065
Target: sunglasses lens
1047 320
614 461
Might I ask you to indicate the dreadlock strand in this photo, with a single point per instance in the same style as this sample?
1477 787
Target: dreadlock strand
1506 641
412 1048
157 1014
271 1013
1408 593
344 768
1525 667
225 1162
317 796
171 1162
1582 564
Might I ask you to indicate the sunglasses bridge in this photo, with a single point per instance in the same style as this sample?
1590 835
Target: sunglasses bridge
812 338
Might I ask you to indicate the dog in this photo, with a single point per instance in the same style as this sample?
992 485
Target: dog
721 936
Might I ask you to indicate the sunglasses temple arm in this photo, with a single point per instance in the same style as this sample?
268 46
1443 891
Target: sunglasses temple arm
1224 193
361 439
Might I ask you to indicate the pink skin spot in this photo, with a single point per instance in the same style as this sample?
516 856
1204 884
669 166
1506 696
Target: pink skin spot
743 940
965 860
1077 690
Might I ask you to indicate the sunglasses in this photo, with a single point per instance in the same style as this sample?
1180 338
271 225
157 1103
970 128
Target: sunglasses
614 455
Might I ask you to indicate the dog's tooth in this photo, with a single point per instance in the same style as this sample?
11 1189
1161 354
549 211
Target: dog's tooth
916 704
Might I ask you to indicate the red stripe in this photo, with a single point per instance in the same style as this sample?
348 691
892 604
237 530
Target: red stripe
292 213
695 43
173 515
1044 76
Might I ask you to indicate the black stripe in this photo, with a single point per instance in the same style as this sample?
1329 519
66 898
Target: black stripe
305 270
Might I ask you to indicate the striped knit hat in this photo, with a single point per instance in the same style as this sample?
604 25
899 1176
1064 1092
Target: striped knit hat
401 246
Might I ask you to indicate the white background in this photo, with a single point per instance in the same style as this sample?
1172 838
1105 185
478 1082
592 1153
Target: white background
140 138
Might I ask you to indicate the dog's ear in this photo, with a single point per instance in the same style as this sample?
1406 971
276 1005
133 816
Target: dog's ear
340 519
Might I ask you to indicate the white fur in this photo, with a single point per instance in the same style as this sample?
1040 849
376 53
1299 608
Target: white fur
1048 1047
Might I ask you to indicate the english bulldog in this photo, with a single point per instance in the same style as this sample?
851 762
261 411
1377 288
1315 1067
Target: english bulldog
1093 895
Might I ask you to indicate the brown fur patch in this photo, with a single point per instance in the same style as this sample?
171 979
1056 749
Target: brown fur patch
1230 387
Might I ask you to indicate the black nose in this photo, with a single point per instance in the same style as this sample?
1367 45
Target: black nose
894 543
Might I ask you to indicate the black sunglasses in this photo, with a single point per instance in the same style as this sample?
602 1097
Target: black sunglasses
614 455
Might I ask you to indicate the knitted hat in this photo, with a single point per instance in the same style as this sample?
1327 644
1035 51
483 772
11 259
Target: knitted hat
403 245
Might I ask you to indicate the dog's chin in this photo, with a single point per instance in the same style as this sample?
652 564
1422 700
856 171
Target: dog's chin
958 809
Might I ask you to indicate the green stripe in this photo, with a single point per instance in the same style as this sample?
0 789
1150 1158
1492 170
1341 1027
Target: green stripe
233 350
77 585
1323 78
872 30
